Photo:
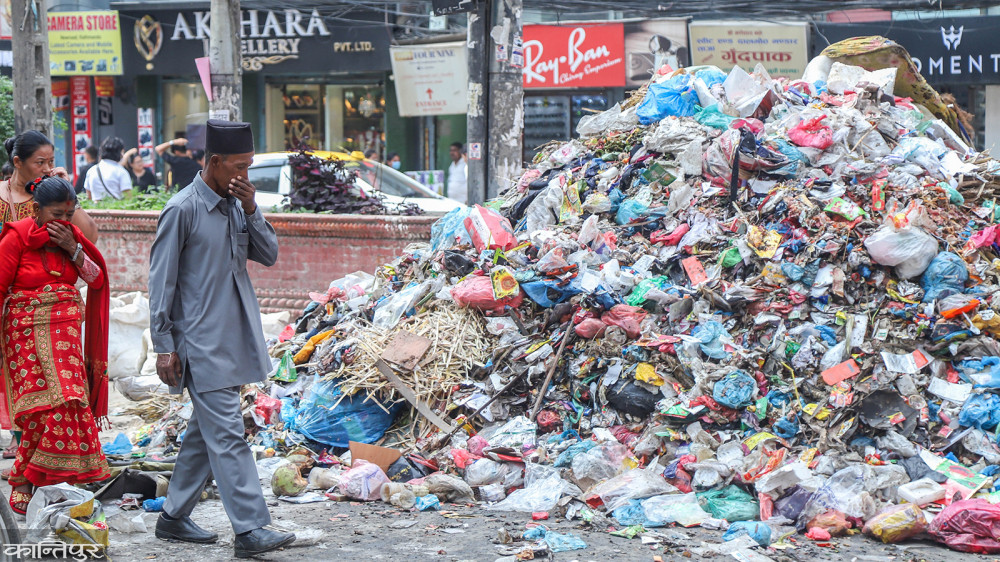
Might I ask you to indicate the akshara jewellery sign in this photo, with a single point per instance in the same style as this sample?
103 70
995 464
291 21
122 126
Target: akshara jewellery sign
290 41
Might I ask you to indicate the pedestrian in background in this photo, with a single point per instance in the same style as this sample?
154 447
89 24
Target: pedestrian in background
372 154
143 179
108 178
393 160
458 174
90 155
183 167
206 331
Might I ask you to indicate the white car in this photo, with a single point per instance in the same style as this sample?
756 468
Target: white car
272 176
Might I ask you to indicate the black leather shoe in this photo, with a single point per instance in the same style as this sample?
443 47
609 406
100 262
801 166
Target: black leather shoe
183 529
260 541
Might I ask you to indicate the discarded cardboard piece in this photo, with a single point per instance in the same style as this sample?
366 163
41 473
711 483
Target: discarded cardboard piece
380 456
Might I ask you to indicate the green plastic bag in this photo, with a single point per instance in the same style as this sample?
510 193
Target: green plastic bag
638 295
730 503
286 369
731 257
711 117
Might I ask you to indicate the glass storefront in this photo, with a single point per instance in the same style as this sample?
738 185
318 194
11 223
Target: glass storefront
184 106
325 116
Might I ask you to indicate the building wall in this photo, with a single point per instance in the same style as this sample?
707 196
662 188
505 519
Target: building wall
314 250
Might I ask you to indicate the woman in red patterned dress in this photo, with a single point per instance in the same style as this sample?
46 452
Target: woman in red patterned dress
54 388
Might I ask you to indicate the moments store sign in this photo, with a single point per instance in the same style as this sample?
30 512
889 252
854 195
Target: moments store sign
945 51
286 41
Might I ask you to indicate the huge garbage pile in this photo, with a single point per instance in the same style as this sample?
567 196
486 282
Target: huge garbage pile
737 302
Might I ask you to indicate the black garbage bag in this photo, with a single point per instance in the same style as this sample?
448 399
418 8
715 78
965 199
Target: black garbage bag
628 397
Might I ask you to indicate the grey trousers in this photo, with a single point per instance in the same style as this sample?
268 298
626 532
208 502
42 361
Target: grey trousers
214 445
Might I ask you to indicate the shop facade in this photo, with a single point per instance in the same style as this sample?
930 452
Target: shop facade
577 69
307 77
959 56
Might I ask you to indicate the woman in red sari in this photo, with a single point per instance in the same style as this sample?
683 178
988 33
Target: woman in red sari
55 390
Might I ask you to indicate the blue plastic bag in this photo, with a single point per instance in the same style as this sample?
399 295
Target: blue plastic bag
633 514
946 275
711 333
985 371
711 117
428 502
557 542
630 210
566 457
735 390
353 419
288 412
757 531
155 504
449 230
120 446
981 411
675 97
538 291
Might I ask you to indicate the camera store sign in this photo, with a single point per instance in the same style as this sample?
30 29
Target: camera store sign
290 40
945 51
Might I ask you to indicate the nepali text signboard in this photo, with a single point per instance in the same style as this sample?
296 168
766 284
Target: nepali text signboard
85 44
166 42
574 56
780 47
431 79
946 51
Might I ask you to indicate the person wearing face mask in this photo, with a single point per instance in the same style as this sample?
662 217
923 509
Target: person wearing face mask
33 156
393 160
206 331
58 393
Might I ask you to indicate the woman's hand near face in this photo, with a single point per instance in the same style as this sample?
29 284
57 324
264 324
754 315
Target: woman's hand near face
62 236
61 172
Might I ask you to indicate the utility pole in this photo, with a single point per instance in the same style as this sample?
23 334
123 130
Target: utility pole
225 62
477 122
506 103
32 82
496 97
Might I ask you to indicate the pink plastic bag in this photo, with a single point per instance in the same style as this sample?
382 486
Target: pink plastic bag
488 229
625 317
363 481
590 328
269 409
968 526
812 134
477 292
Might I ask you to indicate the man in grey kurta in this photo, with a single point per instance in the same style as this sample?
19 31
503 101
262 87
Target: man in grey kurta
206 330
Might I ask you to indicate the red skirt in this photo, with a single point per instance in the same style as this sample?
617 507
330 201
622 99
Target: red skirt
59 445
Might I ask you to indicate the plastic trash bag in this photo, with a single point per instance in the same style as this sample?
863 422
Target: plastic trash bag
896 523
450 230
321 418
557 542
909 249
968 526
632 485
628 318
945 275
488 229
363 481
486 471
540 495
730 503
56 508
831 521
844 492
476 292
981 411
565 458
711 117
711 334
683 509
120 446
759 532
674 97
395 306
811 133
599 463
735 390
630 211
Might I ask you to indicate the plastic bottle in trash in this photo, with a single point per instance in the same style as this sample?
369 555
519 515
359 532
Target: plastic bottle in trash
158 441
